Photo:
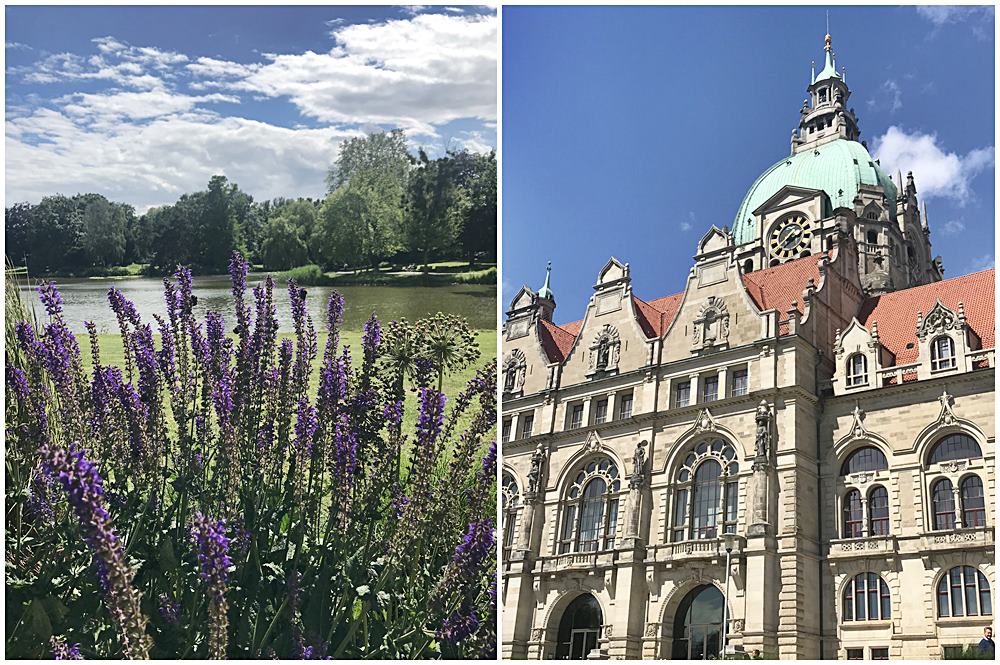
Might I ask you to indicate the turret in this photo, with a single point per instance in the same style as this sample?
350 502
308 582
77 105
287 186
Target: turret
546 299
826 117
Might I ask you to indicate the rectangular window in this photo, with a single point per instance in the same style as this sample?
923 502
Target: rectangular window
609 539
625 410
953 652
739 383
680 513
506 430
569 521
576 420
710 389
527 424
729 519
880 653
601 412
682 394
855 654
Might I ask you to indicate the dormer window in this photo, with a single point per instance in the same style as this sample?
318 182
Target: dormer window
857 371
942 353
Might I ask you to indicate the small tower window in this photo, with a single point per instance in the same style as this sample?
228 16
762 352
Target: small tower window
822 94
872 234
857 371
748 266
942 353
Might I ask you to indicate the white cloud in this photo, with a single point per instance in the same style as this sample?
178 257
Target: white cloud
937 173
941 14
984 262
953 227
689 223
152 164
890 97
411 73
135 105
16 46
473 141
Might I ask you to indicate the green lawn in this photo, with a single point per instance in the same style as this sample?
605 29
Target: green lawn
111 354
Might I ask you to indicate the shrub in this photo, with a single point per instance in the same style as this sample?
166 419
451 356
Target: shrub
310 275
204 501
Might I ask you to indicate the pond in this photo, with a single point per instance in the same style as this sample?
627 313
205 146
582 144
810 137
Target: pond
87 300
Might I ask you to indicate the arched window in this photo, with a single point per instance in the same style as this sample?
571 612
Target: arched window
954 447
964 592
866 598
590 514
857 370
942 353
878 511
943 501
511 503
868 458
872 234
579 628
748 266
854 516
973 502
706 495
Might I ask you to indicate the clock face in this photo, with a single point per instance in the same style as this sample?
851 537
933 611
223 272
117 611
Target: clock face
790 237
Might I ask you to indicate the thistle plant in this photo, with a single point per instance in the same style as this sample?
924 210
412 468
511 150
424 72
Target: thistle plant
230 490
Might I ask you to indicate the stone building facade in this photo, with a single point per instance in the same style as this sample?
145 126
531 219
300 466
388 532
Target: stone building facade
802 439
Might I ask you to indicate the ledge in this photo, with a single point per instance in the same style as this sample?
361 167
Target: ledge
849 548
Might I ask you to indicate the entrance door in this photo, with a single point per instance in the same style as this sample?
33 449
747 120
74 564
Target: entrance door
698 626
579 628
582 641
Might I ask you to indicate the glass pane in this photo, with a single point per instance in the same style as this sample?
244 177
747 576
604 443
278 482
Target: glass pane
864 459
957 607
706 499
955 446
943 500
985 604
942 596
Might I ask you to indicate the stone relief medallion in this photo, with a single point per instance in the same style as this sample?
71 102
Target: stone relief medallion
711 325
737 625
536 634
608 631
955 466
652 629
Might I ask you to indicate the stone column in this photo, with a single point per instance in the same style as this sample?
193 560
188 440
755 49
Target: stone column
532 496
763 572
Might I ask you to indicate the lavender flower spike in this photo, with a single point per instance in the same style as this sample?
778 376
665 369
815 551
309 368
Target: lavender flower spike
84 485
63 651
213 555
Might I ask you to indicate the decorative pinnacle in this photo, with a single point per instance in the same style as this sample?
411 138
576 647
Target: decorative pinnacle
829 42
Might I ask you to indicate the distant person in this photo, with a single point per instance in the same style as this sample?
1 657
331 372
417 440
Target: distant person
756 654
986 647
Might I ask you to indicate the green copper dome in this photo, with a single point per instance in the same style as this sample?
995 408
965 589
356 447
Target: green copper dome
838 168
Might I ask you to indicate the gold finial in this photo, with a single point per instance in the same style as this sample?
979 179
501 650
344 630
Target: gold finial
829 42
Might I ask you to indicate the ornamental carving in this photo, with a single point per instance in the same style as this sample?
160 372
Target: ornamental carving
711 326
514 368
955 466
609 630
762 442
737 625
535 474
705 421
536 634
605 350
652 629
939 319
638 465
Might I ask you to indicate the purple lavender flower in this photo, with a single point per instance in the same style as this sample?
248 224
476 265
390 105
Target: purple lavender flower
61 650
345 449
431 416
305 426
475 547
84 487
123 308
335 311
213 556
372 338
459 625
392 412
51 299
170 609
213 552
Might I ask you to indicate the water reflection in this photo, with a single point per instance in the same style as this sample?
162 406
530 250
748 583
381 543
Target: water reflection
86 300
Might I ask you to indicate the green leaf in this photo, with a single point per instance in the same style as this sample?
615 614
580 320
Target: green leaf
167 558
38 619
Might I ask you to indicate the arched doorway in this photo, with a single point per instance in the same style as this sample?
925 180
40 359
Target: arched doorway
579 628
698 625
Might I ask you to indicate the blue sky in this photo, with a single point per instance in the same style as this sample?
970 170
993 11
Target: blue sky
143 104
630 131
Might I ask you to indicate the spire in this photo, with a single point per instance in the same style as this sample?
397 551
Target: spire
923 217
830 65
546 290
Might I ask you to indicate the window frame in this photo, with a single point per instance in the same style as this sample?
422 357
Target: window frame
977 512
573 506
745 376
527 423
684 386
601 411
953 584
856 379
863 592
711 380
943 517
576 416
725 517
939 362
626 399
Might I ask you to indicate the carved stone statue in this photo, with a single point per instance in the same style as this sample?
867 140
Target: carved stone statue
535 474
639 459
762 444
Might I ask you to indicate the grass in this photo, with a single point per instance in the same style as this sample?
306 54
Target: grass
111 354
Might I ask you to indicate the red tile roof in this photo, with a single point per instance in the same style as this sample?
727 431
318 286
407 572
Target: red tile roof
780 286
556 340
896 312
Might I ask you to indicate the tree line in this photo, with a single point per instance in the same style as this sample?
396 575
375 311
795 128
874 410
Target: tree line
382 204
